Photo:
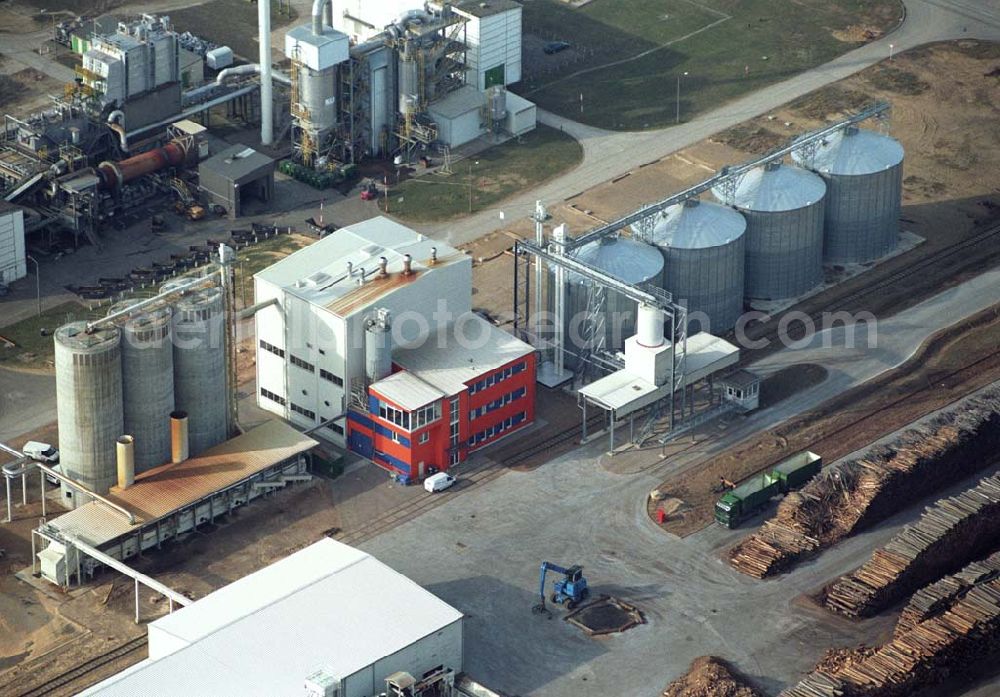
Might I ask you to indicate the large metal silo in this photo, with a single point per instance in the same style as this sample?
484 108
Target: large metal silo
783 207
703 249
622 258
318 96
147 382
863 171
200 365
88 405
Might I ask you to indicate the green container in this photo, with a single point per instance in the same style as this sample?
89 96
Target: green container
798 469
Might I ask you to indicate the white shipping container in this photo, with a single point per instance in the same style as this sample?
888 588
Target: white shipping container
219 58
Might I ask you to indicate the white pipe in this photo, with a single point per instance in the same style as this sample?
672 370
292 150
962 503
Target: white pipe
248 69
317 16
116 122
120 566
266 103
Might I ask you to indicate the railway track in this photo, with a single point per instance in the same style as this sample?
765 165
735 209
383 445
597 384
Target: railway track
68 678
850 301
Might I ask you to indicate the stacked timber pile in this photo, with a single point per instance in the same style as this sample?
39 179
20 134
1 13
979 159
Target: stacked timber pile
919 657
933 599
855 493
709 676
947 535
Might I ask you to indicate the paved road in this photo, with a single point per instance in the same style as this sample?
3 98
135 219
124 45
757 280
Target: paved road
481 552
609 154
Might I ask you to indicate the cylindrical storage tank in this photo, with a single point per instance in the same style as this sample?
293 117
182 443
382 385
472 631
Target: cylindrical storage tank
318 94
625 259
704 250
88 405
200 365
649 326
125 449
147 382
783 207
180 438
863 171
378 346
409 84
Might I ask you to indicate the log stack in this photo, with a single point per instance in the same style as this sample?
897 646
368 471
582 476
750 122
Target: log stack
933 599
916 658
947 535
855 493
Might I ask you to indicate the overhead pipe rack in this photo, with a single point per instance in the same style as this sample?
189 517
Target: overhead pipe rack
727 176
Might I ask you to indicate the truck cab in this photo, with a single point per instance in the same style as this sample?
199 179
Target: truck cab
727 510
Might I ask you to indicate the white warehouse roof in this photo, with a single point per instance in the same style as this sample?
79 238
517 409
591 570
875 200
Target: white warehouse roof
318 273
328 606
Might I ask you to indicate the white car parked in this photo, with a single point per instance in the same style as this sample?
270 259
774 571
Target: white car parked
438 482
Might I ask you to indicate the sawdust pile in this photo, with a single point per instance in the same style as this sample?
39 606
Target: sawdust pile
709 676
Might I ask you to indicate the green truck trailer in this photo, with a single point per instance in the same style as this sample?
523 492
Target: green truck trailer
750 496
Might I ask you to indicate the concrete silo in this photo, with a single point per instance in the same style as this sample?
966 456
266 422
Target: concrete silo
88 405
625 259
703 249
147 382
200 365
863 171
783 207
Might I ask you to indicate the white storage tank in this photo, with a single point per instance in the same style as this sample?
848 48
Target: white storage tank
783 207
703 248
147 382
863 171
200 365
88 405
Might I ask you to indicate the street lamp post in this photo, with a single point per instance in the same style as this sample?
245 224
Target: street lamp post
679 96
470 183
38 284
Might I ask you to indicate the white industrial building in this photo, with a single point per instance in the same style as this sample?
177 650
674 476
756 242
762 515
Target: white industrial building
12 253
493 38
329 621
311 339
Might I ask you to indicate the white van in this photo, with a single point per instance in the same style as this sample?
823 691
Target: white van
43 452
438 482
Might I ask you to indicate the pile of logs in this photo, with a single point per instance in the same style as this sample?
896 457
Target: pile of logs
921 656
947 535
933 599
855 493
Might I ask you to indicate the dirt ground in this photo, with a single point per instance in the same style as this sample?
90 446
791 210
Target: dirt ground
932 378
709 676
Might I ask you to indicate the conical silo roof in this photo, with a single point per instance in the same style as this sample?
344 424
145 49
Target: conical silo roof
773 188
852 151
627 260
697 224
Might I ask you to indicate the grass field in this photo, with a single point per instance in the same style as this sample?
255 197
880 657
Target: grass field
31 349
491 176
627 54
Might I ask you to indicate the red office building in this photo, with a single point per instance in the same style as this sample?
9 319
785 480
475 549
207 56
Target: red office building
442 403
